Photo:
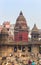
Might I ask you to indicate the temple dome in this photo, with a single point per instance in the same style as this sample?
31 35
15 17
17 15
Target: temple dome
21 23
21 17
35 29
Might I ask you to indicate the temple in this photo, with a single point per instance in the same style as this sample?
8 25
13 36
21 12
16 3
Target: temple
21 29
18 48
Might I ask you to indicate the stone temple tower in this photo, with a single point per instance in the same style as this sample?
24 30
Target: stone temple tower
35 33
21 29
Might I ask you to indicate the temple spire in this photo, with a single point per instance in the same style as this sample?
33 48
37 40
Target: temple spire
21 13
35 29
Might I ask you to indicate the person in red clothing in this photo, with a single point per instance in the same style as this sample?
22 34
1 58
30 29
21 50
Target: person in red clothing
29 62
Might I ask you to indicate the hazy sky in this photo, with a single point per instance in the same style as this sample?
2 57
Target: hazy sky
10 9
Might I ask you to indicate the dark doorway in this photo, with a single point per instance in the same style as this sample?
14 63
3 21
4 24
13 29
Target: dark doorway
15 48
29 48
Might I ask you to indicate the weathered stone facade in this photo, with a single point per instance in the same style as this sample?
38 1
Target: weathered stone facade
22 51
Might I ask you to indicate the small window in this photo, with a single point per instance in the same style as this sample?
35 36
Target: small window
34 36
